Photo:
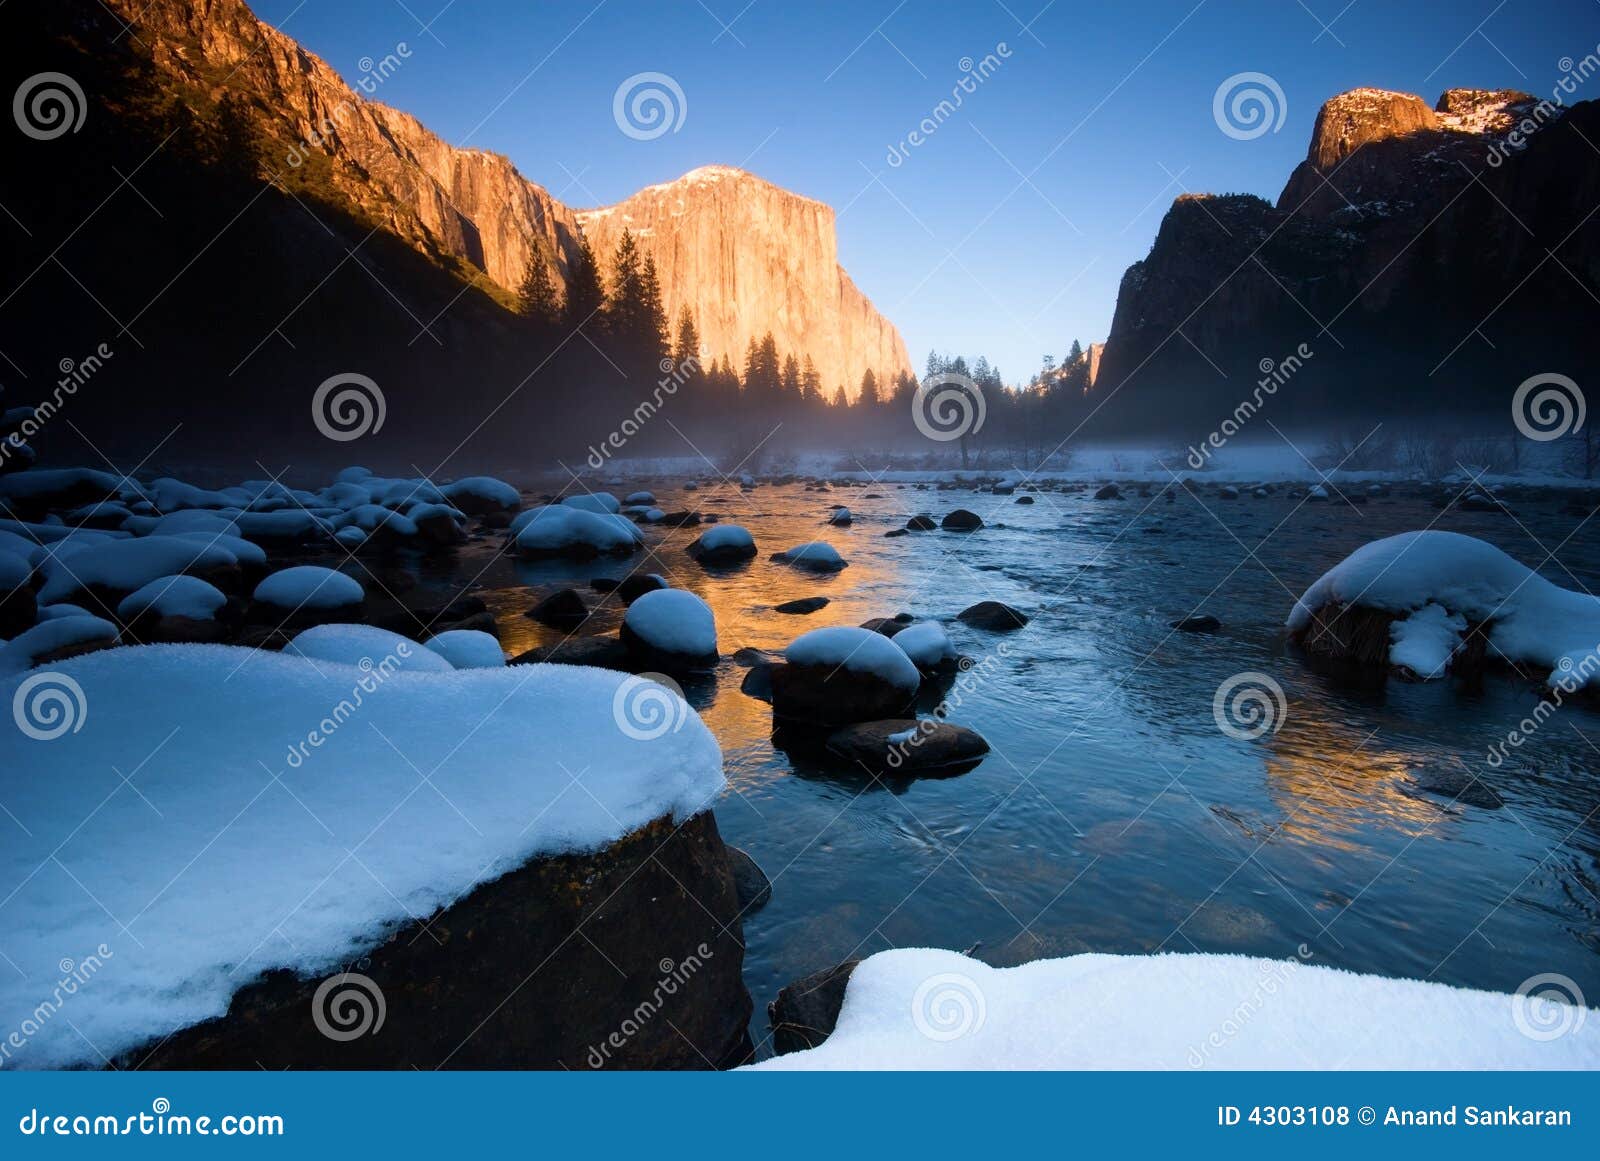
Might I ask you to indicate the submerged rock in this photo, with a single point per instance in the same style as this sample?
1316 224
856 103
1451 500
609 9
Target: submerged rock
1111 492
992 615
1205 623
921 523
801 607
631 588
961 520
751 882
563 609
909 746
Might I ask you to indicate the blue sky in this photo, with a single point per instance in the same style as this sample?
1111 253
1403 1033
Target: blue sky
1007 230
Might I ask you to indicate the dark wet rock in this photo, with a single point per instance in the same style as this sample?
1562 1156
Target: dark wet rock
604 584
802 606
631 588
600 652
829 696
453 982
1205 623
893 532
150 628
888 626
1024 500
841 518
921 523
807 1011
961 520
430 619
758 682
909 747
436 528
680 519
19 609
992 615
749 656
1228 492
1108 492
562 609
751 882
1458 786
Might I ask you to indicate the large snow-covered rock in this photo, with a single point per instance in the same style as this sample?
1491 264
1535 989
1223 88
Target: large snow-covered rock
1410 601
915 1008
602 502
816 555
566 530
723 544
313 860
366 647
842 675
53 639
115 568
468 648
310 587
672 631
481 495
174 596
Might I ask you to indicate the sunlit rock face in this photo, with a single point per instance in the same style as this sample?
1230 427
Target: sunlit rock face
747 258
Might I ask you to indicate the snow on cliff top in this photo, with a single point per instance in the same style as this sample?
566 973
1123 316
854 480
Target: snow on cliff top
239 844
1532 621
919 1009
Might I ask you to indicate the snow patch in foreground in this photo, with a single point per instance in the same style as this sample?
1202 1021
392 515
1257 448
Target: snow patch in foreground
916 1008
231 858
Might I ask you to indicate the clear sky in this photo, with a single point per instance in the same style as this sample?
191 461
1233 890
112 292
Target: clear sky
1007 230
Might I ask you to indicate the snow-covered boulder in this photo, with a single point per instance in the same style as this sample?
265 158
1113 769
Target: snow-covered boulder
289 526
1430 602
670 631
54 640
916 1008
308 594
482 495
641 499
569 531
278 891
842 675
841 516
602 502
928 646
366 647
111 569
723 544
32 493
175 608
468 648
816 555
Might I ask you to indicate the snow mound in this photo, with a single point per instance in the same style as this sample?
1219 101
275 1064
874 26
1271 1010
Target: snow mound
23 651
674 621
365 647
482 493
1530 620
249 868
567 528
926 643
915 1008
309 586
860 650
126 565
174 596
468 648
602 502
724 537
817 554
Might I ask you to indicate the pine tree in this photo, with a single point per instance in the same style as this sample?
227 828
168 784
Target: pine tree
687 347
586 297
868 396
652 314
790 381
811 383
538 301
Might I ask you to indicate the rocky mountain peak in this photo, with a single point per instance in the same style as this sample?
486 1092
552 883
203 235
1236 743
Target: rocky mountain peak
1361 116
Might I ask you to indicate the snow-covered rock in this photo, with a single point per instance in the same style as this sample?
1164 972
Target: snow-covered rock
309 586
238 876
174 596
723 544
121 566
480 495
670 630
842 675
468 648
643 499
927 644
593 502
817 555
567 530
1438 584
914 1008
366 647
55 638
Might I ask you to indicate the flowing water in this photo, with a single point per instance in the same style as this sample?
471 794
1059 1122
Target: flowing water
1113 814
